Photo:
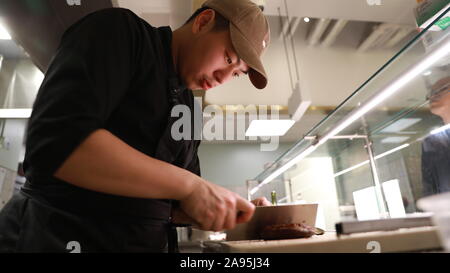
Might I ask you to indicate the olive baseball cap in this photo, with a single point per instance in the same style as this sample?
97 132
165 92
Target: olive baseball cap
249 32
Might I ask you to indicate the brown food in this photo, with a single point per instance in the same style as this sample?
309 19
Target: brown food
286 231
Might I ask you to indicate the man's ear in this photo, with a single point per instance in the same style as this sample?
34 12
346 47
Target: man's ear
204 21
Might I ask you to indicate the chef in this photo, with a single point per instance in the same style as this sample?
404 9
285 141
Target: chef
104 173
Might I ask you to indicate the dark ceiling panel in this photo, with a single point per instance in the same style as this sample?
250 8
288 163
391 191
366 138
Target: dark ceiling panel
37 25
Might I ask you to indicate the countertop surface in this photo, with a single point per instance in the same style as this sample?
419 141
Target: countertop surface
402 240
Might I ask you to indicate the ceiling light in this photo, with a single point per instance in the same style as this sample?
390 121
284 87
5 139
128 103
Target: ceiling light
394 139
401 124
427 73
4 35
283 168
306 19
15 113
269 127
376 158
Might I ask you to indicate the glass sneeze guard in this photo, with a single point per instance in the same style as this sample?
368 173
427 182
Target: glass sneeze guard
364 159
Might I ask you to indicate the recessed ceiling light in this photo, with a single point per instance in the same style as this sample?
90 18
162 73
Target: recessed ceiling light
269 127
394 139
306 19
4 35
15 113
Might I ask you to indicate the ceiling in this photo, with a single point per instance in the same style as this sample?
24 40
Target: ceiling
38 25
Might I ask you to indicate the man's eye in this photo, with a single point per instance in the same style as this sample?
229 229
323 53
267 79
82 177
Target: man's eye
229 61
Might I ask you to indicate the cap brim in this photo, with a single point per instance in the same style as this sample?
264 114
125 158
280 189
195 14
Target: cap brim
257 74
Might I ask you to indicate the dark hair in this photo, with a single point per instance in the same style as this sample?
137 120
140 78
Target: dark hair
220 22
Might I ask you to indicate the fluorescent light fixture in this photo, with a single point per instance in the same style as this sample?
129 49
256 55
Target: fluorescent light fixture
394 139
15 113
440 129
283 168
427 73
400 124
269 127
306 19
4 35
376 157
351 168
392 151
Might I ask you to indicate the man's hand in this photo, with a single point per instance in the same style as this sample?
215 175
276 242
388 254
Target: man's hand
215 208
180 217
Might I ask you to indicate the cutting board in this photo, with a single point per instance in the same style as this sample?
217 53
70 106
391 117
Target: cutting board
402 240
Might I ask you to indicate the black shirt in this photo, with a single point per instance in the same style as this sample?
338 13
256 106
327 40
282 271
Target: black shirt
112 70
436 163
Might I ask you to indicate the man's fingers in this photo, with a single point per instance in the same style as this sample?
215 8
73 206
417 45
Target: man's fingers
208 220
230 221
245 210
214 207
219 219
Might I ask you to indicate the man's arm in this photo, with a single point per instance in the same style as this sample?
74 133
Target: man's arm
104 163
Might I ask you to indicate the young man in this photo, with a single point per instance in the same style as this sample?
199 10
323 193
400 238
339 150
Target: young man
103 170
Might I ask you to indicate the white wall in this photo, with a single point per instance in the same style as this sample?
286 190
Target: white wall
19 83
230 165
14 133
10 156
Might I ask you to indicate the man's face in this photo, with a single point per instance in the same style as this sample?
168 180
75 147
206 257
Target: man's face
210 59
440 102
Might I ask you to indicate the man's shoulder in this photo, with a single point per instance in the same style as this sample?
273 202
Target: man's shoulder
109 20
122 17
114 14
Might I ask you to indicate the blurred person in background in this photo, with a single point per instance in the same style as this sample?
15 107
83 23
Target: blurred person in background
436 147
